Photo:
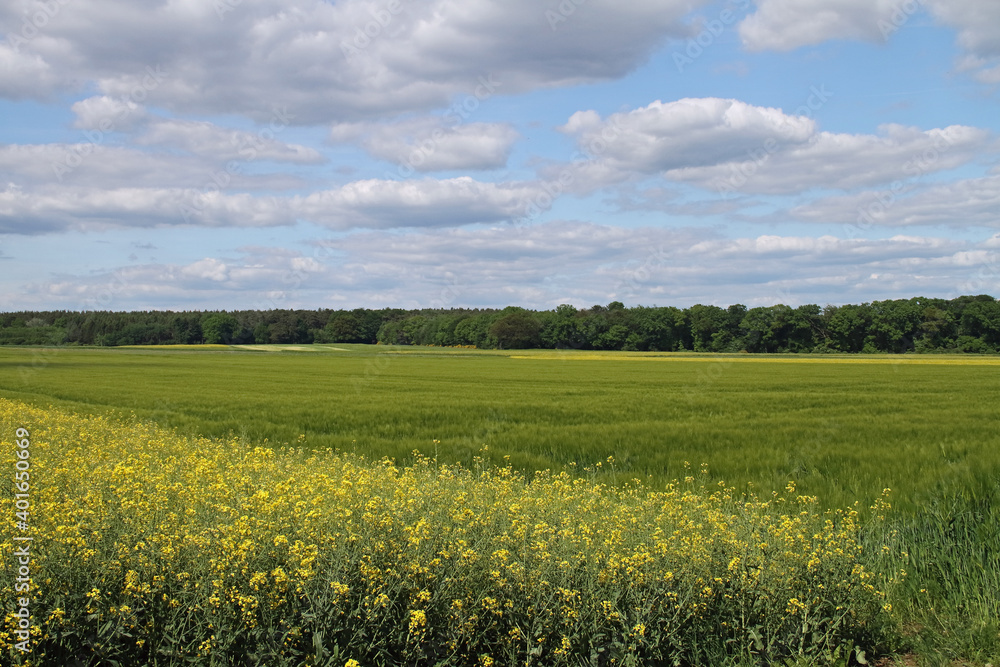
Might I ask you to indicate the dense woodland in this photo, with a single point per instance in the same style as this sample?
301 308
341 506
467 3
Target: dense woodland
964 324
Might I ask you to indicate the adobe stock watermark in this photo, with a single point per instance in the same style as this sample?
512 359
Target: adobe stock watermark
984 279
248 148
382 18
377 365
741 172
449 293
456 115
100 298
33 23
901 14
881 202
22 551
711 30
634 278
561 14
552 189
223 7
95 137
293 279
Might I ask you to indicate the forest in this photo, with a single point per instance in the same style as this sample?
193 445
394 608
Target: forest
965 324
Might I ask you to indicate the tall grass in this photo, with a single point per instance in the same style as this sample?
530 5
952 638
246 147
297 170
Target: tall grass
951 599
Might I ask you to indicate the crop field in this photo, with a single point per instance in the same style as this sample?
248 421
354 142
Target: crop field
843 427
827 434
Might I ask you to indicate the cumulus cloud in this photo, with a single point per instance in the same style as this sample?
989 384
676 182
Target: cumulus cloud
685 133
207 269
431 144
544 265
714 144
842 161
24 75
102 114
961 204
372 203
107 114
415 203
731 146
222 144
95 163
90 209
978 25
783 25
329 61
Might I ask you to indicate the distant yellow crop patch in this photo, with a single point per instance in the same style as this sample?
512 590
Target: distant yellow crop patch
200 347
711 357
147 545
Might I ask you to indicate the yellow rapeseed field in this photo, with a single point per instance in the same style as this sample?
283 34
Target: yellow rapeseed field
151 548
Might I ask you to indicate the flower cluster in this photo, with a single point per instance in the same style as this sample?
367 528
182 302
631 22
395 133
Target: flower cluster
152 547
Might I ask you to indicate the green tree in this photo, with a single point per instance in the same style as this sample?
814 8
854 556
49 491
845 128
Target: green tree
219 328
344 327
981 319
848 326
516 330
475 330
894 325
705 322
561 329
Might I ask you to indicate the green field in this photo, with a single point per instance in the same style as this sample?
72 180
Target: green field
843 427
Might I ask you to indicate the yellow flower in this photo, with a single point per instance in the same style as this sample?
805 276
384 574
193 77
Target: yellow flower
418 619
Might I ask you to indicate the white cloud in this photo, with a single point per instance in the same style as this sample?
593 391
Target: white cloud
107 114
24 75
222 144
978 25
542 266
732 146
685 133
960 204
415 203
207 269
102 114
843 161
360 204
315 57
98 164
429 144
89 209
783 25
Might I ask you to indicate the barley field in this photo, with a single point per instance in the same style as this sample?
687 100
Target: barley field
843 428
265 505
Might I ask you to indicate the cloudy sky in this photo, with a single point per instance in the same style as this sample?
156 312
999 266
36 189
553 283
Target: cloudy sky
223 154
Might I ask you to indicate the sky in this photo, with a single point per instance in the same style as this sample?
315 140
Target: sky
237 154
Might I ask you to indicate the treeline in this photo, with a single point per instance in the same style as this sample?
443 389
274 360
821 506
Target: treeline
964 324
154 327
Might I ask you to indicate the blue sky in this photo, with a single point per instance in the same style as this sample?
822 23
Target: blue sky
270 154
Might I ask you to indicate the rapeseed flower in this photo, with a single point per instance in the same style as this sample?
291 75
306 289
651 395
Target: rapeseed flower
174 548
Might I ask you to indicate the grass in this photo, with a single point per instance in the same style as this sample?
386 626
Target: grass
843 428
